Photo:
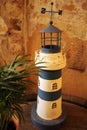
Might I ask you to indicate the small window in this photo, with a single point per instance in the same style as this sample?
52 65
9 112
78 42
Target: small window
54 105
54 86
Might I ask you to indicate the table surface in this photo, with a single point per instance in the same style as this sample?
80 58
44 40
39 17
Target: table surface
76 117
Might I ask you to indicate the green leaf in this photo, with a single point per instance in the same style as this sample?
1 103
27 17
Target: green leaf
14 78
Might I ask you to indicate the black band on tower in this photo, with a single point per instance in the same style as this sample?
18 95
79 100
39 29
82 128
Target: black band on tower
50 75
49 96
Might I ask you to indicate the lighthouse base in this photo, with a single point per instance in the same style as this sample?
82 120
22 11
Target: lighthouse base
43 124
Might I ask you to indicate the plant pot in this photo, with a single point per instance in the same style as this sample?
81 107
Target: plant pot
11 126
14 124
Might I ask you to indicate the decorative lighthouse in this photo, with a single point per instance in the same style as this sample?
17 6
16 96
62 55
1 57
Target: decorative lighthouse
49 112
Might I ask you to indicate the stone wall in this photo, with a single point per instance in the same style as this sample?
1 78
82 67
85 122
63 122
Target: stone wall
20 22
11 29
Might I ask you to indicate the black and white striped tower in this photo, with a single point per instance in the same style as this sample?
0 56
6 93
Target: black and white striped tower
49 113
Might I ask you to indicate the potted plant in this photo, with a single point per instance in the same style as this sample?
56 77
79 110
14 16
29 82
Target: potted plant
13 82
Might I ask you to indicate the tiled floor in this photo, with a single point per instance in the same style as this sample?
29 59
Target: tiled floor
76 118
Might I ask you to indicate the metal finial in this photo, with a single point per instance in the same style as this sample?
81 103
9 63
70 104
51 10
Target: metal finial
51 3
43 11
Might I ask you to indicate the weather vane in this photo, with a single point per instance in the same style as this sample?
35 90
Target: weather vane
43 11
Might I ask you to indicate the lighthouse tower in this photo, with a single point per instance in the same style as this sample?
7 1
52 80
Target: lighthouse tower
49 113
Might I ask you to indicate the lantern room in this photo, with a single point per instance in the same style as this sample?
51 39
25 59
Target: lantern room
51 38
51 35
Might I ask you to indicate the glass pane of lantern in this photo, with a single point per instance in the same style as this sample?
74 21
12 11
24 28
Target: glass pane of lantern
48 39
51 39
55 38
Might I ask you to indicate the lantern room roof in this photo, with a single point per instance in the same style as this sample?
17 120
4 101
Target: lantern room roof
51 28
